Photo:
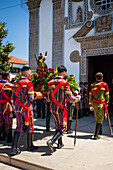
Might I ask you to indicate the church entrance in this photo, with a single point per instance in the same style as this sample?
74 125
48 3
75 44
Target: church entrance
102 64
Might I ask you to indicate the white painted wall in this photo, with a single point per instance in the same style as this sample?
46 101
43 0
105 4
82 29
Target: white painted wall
66 8
19 65
45 29
70 46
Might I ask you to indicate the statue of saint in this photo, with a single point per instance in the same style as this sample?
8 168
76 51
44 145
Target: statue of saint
41 61
79 14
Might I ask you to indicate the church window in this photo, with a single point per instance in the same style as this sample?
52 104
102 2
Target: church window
103 4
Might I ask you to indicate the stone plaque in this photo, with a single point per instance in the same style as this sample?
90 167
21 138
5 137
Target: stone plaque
103 24
74 57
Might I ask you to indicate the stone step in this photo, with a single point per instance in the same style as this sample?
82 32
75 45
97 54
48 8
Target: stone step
21 164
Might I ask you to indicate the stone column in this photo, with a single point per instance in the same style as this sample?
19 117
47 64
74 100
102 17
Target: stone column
58 33
33 6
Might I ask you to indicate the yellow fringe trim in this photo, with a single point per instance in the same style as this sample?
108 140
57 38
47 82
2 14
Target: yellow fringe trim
26 123
6 107
32 92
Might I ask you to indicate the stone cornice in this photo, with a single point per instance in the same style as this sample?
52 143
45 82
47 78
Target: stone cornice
33 4
85 29
95 37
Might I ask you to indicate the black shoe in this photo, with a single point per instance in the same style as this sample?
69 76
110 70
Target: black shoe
69 132
96 137
50 145
53 140
60 144
15 151
32 148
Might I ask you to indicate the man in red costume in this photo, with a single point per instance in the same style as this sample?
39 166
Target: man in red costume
5 107
23 94
59 91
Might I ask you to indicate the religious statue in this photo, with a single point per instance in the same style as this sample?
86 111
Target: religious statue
41 61
79 14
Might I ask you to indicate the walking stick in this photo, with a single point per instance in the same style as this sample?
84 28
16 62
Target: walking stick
110 124
76 123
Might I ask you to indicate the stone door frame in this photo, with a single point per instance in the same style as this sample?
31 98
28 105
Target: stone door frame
88 53
95 45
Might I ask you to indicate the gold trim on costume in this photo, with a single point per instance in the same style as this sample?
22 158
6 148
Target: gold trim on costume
16 85
68 92
5 88
22 107
107 93
30 92
6 107
102 88
64 123
26 123
58 106
52 86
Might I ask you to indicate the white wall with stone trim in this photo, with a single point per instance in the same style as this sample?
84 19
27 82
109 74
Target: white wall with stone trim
70 46
45 29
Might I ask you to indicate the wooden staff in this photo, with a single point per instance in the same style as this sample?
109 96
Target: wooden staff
110 124
76 123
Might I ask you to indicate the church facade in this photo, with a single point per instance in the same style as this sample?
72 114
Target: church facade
75 33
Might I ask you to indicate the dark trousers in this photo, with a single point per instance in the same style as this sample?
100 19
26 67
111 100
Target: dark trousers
40 108
48 114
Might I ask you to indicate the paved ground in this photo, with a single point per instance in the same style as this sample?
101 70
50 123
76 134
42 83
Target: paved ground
7 167
88 154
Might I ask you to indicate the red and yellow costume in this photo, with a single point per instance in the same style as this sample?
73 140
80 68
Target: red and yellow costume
23 94
59 91
5 104
98 99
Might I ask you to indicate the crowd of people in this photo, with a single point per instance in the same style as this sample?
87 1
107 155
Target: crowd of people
18 98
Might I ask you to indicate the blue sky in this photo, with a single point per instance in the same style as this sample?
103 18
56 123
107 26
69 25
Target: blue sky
17 20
